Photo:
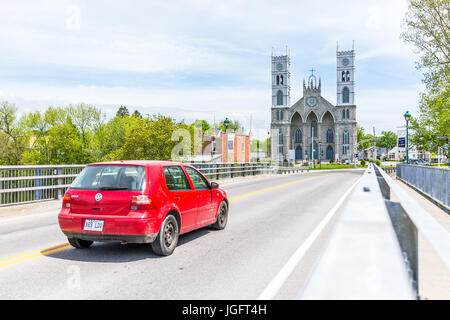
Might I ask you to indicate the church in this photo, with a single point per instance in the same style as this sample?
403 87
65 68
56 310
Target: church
313 128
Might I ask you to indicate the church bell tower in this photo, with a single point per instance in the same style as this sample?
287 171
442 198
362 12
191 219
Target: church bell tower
345 68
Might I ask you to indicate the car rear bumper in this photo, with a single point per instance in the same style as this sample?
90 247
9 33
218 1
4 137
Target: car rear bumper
115 228
147 238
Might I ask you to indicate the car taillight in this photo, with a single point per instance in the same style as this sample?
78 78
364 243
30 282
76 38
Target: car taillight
66 201
141 202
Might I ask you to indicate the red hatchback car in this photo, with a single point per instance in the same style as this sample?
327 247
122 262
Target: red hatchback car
140 202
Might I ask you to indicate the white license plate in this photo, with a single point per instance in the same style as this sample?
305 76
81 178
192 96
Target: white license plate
93 225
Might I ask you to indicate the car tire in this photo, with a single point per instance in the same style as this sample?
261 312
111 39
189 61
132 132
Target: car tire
222 216
80 243
167 238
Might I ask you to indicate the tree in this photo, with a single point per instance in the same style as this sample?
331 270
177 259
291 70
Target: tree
12 136
123 112
203 125
136 114
364 140
233 125
427 27
433 121
387 140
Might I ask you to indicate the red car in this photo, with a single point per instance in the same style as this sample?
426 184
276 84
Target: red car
140 202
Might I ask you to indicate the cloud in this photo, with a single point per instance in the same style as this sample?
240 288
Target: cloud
199 57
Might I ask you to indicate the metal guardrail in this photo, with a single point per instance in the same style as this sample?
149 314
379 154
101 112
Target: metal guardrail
26 184
432 181
372 252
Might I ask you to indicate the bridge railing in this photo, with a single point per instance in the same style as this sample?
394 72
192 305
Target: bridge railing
372 253
26 184
432 181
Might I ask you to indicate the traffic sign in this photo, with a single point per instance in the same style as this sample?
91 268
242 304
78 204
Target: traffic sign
433 155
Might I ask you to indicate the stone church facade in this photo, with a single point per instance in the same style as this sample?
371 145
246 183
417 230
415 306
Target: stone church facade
312 127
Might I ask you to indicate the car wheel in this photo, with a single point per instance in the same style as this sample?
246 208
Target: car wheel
222 217
167 238
79 243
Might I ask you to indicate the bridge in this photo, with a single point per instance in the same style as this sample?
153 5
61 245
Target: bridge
293 233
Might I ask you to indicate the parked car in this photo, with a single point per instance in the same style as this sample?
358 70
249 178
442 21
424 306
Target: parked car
140 202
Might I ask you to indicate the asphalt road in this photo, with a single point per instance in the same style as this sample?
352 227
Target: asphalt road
270 217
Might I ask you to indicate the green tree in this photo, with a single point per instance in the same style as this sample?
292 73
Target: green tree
122 112
364 140
147 139
427 27
12 137
387 140
136 114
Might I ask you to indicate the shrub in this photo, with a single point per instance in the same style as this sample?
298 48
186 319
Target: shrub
363 162
331 161
378 162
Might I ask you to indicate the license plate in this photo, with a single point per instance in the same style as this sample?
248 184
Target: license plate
93 225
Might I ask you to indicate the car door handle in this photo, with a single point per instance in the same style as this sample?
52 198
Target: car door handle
176 198
199 196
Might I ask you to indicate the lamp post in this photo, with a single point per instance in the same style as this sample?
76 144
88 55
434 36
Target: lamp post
226 122
407 116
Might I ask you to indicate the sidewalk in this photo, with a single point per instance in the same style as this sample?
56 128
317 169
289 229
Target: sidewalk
434 278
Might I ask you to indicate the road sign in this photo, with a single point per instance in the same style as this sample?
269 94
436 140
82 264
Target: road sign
433 155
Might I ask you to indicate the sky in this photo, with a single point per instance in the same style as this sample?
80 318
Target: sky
202 59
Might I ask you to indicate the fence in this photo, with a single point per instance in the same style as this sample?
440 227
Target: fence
25 184
430 180
373 252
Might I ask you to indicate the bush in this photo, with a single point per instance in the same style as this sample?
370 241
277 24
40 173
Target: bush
331 161
363 162
378 162
371 160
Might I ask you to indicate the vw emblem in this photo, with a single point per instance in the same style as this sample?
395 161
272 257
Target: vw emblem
98 197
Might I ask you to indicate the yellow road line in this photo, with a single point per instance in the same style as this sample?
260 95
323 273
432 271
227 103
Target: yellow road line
277 186
63 246
34 254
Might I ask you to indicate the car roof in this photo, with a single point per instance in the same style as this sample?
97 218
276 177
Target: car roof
141 163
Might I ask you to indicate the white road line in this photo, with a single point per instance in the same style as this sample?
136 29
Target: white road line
274 286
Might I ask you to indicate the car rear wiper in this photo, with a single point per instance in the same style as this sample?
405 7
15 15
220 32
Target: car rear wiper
113 188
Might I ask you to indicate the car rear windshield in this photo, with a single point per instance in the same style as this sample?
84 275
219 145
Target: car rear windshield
111 177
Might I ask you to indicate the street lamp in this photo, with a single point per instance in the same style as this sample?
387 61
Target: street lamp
407 116
226 122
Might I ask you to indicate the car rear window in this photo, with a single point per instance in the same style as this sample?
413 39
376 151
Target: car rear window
111 177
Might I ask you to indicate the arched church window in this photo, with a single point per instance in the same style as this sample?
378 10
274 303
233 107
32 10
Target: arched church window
314 129
280 142
345 142
329 136
298 136
348 114
281 115
343 75
279 98
345 95
347 78
281 79
343 113
278 80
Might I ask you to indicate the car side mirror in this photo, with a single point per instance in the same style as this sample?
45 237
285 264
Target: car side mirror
214 185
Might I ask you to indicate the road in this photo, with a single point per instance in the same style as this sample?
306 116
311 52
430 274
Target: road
270 217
